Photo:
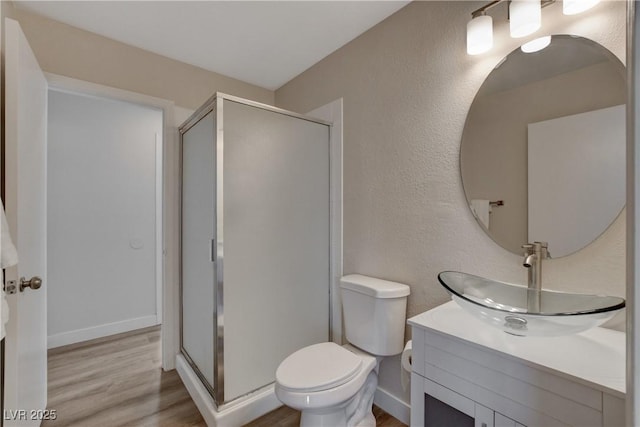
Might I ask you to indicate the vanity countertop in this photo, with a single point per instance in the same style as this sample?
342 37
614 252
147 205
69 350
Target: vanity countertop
595 357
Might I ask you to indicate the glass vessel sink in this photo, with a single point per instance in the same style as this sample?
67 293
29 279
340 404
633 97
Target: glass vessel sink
504 306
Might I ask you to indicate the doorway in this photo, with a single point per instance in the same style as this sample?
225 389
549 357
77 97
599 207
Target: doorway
104 217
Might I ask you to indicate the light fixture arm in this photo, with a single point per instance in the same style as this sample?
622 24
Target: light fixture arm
483 10
525 18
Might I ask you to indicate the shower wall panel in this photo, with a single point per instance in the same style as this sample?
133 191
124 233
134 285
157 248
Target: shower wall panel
276 241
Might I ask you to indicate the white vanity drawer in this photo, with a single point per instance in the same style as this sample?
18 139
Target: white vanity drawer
524 414
510 387
508 376
547 402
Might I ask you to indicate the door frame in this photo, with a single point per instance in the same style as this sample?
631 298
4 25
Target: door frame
332 113
166 208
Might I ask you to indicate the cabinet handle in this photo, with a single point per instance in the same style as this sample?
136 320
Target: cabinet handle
484 424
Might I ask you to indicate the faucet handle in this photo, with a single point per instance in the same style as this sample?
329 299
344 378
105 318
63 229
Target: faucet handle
528 249
544 246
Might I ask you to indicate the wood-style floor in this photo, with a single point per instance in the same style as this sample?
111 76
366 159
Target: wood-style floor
117 381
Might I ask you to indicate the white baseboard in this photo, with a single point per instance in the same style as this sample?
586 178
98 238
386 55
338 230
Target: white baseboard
236 413
392 405
79 335
197 391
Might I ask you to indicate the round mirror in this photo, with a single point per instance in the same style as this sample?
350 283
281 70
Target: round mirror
542 156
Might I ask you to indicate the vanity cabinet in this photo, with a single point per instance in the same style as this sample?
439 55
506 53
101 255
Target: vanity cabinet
444 407
466 373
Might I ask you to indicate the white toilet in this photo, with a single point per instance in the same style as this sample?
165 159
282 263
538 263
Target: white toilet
334 385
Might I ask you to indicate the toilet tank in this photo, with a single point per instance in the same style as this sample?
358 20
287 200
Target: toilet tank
374 313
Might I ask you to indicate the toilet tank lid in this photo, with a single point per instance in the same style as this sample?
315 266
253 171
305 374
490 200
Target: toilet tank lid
377 288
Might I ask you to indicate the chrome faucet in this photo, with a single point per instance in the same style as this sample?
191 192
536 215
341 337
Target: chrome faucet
534 254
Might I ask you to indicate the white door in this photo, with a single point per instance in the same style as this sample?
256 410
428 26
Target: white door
25 203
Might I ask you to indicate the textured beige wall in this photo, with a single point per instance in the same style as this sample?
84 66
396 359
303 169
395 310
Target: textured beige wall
494 149
407 86
72 52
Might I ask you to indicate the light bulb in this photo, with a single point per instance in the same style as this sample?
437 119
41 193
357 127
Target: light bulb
536 44
525 17
573 7
479 35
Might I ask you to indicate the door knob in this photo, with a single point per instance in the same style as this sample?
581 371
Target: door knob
34 283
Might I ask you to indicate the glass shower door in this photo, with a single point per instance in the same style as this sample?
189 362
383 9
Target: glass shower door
198 230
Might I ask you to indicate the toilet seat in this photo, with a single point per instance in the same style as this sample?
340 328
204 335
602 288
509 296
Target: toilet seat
318 367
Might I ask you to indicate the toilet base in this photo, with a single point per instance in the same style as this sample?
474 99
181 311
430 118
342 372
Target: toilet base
355 412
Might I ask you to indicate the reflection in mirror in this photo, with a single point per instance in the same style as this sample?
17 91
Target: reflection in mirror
542 152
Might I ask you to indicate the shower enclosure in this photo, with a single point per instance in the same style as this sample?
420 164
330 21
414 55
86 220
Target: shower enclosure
255 240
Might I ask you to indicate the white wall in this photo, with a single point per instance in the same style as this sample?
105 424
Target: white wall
102 216
588 195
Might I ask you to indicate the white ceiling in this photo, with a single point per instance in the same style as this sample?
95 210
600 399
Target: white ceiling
266 43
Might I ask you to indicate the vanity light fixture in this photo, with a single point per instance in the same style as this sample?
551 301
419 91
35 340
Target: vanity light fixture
479 34
525 18
536 44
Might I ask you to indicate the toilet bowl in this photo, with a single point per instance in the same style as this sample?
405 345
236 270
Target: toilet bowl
329 384
333 385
